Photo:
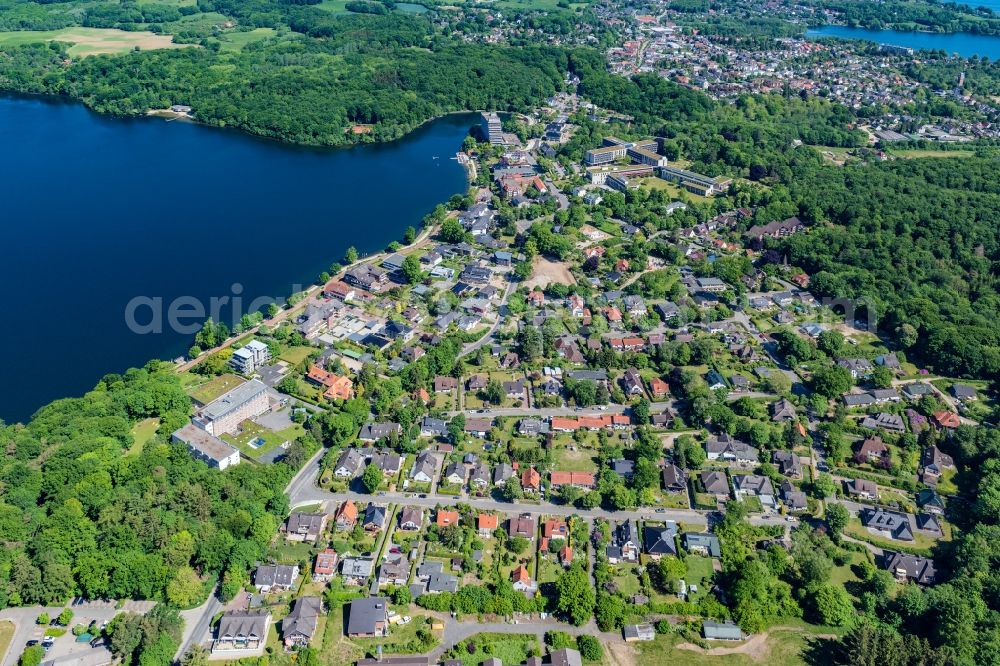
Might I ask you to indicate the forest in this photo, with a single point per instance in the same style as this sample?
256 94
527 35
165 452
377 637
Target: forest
381 70
86 510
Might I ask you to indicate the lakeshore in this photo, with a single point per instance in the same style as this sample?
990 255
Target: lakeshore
966 45
214 207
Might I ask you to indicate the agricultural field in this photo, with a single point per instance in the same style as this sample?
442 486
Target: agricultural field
93 41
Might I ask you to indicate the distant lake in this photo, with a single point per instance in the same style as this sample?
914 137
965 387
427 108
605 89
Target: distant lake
98 210
411 8
964 44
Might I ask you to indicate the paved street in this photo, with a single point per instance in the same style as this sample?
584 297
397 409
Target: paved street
197 622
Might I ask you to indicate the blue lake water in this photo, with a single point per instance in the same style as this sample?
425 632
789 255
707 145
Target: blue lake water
964 44
99 210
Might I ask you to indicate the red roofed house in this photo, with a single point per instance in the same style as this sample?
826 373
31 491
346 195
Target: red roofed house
658 388
487 523
337 387
553 528
446 518
579 479
946 419
531 480
522 580
326 565
339 289
566 555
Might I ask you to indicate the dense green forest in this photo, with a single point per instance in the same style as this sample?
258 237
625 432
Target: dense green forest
84 510
385 70
917 238
914 15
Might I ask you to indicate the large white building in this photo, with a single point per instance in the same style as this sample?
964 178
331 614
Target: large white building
249 358
207 447
225 414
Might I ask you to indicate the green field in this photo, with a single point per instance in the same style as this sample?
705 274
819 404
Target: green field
142 432
672 190
782 646
235 41
510 649
916 153
6 635
92 41
212 389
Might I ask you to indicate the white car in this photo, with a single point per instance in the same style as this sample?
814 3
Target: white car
406 619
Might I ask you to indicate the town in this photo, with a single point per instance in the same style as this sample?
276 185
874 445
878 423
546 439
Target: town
544 443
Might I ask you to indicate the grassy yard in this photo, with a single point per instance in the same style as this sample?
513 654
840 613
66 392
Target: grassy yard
672 190
142 432
92 41
6 635
921 543
910 154
255 440
214 388
783 646
508 648
290 552
236 40
699 573
295 355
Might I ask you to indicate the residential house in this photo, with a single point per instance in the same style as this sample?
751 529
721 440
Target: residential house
933 463
368 618
872 450
356 570
444 384
326 565
727 449
242 631
858 367
454 474
792 497
531 480
890 524
348 464
299 626
624 546
579 479
446 518
521 526
861 489
374 432
522 580
501 473
658 388
487 523
478 427
674 479
480 476
787 463
885 421
964 393
946 419
346 516
424 468
754 485
432 427
632 382
659 541
909 568
715 483
411 518
304 526
699 543
639 632
389 463
395 571
275 577
374 519
783 411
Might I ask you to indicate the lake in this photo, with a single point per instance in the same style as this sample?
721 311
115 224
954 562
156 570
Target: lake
100 210
964 44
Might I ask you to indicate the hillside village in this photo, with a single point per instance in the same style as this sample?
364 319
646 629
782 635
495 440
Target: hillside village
517 415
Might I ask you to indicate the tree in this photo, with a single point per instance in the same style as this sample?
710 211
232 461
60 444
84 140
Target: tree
351 255
832 381
575 595
881 377
590 648
401 595
185 589
493 393
830 342
824 486
43 618
196 655
452 231
411 269
646 473
837 517
65 617
610 612
32 656
518 545
371 479
512 490
833 605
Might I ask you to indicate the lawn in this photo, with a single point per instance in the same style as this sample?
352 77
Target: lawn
626 580
508 648
214 388
915 153
267 440
573 457
295 355
290 552
6 635
142 432
699 573
92 41
782 647
236 40
672 190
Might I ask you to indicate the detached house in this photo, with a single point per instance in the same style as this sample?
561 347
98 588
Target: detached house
305 526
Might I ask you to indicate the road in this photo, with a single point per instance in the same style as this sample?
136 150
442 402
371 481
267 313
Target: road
304 491
197 622
488 336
